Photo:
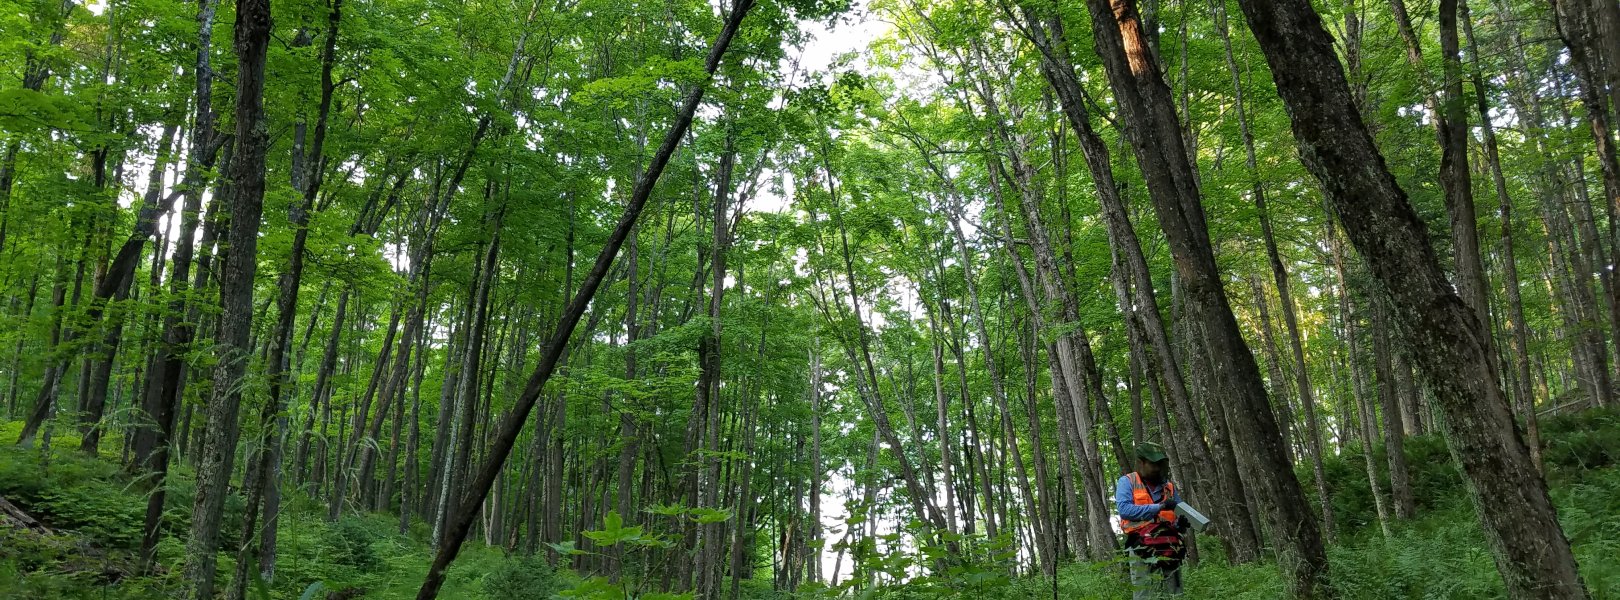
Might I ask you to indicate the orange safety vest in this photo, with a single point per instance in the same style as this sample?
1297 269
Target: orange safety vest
1140 497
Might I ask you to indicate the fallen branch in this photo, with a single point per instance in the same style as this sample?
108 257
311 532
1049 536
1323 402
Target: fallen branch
11 516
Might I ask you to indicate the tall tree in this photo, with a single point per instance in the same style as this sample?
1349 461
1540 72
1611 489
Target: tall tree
1157 142
1438 331
246 198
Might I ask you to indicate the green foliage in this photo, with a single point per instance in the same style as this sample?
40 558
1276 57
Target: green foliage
96 516
522 578
874 160
70 492
1439 555
1580 443
351 542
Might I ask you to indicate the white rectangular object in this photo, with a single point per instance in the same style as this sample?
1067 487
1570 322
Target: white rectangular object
1198 520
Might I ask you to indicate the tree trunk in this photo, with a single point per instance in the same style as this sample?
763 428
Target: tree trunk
1519 338
268 457
1046 527
1455 178
1440 332
511 425
817 542
119 275
1349 331
1400 478
1279 383
162 398
1156 138
236 296
708 539
1258 192
947 456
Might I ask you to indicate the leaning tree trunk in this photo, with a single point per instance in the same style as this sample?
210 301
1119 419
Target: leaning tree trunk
1057 66
512 424
120 272
1257 192
1440 331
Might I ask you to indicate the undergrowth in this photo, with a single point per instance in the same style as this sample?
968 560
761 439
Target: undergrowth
96 511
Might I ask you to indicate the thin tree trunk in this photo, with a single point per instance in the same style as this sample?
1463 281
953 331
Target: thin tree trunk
816 540
1045 526
513 423
1455 178
1349 331
266 463
1519 339
1400 478
1279 383
162 398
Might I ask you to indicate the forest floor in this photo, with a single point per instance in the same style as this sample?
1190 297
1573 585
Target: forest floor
89 516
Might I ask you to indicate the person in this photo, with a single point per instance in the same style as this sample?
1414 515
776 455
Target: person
1146 501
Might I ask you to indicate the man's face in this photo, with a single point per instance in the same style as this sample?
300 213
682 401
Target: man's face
1154 472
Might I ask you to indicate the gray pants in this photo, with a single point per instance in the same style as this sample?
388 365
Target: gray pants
1148 583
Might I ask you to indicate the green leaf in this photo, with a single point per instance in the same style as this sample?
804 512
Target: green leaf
567 549
710 515
668 510
309 592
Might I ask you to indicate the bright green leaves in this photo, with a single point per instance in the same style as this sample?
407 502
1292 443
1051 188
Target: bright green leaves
566 549
697 515
614 532
627 542
28 110
710 515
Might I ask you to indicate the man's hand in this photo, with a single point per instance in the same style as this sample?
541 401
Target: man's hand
1168 504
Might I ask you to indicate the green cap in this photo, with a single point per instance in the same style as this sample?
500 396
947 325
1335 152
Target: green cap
1150 451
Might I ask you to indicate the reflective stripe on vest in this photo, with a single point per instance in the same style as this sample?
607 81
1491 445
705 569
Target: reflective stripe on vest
1140 497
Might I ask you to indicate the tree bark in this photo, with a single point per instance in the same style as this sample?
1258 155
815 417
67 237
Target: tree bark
1455 178
1439 331
1519 338
1156 137
1400 478
236 296
266 463
162 396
